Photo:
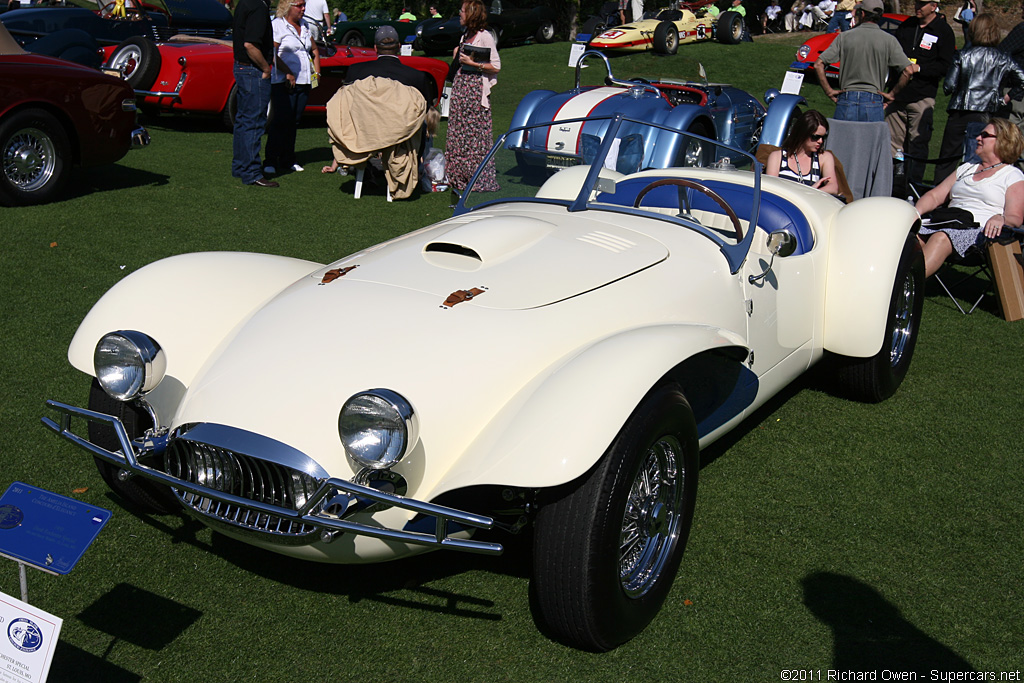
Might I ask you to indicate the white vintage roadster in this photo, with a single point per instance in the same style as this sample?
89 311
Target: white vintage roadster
554 354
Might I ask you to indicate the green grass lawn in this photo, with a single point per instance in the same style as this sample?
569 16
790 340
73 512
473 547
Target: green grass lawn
829 534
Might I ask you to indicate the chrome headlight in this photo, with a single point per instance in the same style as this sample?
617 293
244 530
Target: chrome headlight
128 364
801 54
378 428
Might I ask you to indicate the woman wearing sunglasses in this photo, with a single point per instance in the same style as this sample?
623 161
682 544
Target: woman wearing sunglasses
992 191
802 157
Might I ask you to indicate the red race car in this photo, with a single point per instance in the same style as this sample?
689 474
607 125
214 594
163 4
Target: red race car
808 53
195 75
55 114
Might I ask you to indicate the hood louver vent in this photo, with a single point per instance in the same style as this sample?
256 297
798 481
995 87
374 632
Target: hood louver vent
607 241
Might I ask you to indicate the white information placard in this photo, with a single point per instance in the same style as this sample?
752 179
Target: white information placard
575 52
407 50
792 83
28 638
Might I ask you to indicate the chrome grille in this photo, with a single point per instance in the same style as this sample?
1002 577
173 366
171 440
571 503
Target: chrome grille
243 476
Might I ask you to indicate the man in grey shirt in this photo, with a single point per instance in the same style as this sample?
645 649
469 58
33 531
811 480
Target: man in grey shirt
865 55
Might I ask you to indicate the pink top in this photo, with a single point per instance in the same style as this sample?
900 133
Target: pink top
486 39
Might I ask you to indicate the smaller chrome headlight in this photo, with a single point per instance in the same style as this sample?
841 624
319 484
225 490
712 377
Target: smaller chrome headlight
128 364
803 51
378 428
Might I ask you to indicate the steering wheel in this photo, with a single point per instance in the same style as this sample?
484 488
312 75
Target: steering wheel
683 182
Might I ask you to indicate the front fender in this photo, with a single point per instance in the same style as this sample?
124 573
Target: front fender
561 423
776 122
865 243
189 304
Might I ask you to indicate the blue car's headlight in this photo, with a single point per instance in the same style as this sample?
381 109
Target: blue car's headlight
378 428
128 364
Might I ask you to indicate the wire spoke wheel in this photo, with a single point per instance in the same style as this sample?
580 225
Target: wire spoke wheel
650 525
29 159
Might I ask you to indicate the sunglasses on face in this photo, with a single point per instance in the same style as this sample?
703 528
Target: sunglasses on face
985 134
815 137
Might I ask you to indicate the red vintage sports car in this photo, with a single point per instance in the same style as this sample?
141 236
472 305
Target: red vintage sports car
809 52
195 76
55 114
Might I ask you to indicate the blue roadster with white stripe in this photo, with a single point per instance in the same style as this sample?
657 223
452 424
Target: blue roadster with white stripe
715 111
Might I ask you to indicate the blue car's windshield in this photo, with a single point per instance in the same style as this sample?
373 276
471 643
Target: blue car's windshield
628 166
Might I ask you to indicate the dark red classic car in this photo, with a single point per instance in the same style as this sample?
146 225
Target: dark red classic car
195 75
55 114
809 52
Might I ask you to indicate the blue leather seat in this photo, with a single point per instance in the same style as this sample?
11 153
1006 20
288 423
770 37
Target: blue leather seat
775 213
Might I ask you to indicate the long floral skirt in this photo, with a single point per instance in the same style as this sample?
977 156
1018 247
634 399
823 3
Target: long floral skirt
469 135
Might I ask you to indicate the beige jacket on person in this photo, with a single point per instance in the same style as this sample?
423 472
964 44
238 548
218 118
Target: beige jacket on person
379 115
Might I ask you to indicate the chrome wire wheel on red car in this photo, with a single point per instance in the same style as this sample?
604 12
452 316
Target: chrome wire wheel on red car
35 154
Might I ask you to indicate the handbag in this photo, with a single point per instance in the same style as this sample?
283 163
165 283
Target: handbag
949 218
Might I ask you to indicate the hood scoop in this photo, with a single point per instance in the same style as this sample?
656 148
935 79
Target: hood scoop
485 242
520 261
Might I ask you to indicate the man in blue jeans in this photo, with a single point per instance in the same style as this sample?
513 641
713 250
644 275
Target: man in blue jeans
253 42
865 55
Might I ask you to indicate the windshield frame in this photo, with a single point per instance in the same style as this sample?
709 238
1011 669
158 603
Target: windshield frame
734 252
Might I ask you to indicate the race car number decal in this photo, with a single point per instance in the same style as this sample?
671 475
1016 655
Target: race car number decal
702 32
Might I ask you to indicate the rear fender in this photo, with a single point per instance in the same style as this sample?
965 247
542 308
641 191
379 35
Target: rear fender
776 122
686 118
524 110
561 423
189 304
865 243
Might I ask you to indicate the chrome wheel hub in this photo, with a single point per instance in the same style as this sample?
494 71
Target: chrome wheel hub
903 320
128 60
29 159
652 518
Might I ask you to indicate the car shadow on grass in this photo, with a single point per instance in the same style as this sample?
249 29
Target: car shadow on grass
869 632
402 583
87 181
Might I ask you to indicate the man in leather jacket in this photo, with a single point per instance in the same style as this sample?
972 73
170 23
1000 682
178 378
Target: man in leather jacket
929 42
973 83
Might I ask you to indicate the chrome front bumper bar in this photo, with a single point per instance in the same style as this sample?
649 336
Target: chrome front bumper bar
128 459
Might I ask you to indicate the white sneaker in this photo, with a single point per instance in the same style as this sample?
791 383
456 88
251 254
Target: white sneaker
269 170
296 167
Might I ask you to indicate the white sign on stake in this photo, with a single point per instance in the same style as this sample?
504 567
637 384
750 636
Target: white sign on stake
792 82
28 638
575 52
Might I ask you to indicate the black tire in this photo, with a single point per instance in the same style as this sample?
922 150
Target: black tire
729 29
666 38
877 378
546 32
138 59
590 593
145 494
227 116
35 158
593 27
353 38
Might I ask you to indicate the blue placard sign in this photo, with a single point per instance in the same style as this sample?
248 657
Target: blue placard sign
46 530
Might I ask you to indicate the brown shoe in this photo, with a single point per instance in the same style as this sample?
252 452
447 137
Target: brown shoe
263 182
